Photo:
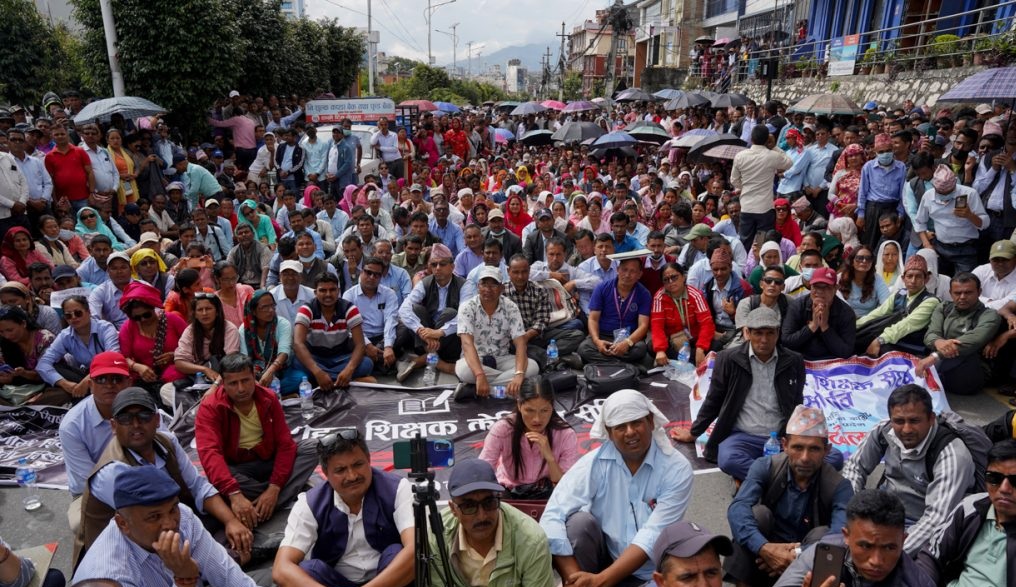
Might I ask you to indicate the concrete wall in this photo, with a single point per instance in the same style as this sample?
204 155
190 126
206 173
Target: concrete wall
923 87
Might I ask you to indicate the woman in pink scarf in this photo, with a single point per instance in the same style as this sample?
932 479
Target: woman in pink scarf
846 182
348 201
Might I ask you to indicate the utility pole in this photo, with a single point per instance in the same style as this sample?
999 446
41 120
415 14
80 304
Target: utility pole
109 27
560 81
455 45
370 52
546 71
469 57
427 13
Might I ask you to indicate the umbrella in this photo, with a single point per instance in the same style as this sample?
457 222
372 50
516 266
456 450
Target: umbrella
705 39
553 104
503 135
599 101
127 106
991 84
579 106
668 94
537 138
423 105
623 152
698 151
686 101
724 151
507 105
634 95
728 101
614 140
527 108
650 134
826 104
489 103
448 107
574 132
720 42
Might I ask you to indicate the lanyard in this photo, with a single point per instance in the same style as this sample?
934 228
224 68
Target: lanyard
682 308
627 306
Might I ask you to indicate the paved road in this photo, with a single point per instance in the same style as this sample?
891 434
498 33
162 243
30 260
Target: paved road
711 495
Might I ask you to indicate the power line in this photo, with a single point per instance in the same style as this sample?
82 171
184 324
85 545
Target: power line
395 15
388 30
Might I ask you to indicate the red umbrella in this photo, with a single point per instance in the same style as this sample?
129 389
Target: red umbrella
423 105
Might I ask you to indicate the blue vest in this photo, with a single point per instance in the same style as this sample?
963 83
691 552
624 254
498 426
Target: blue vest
333 525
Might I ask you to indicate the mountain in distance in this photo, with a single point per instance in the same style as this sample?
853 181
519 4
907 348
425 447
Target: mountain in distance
530 55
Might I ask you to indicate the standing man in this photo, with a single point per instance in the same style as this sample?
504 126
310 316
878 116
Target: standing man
881 190
40 186
244 141
819 153
107 178
752 173
315 152
289 158
341 167
386 145
71 170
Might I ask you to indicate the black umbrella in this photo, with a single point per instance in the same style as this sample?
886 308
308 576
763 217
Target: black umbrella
697 153
647 131
705 40
688 100
576 132
537 138
635 95
728 101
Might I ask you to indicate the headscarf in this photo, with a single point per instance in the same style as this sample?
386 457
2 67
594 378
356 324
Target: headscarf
766 247
348 200
361 195
799 143
8 248
261 353
522 175
516 222
627 405
944 180
882 270
308 201
142 254
848 152
100 226
472 214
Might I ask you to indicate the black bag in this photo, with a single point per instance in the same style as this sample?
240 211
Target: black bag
605 378
561 381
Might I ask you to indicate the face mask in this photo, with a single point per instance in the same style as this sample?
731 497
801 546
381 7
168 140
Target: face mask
807 272
52 238
346 132
307 259
66 235
885 159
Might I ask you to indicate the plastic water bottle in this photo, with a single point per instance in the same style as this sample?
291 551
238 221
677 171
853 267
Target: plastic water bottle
277 387
552 353
499 392
199 381
430 375
772 446
27 478
684 355
306 400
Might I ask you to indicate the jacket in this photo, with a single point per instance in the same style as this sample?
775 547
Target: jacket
738 290
297 170
944 559
524 558
535 246
835 343
217 435
665 320
973 328
906 574
511 243
729 388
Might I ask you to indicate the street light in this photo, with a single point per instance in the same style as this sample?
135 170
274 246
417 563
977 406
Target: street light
427 14
455 45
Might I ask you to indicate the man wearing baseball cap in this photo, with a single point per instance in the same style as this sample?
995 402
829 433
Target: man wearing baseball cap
820 325
998 276
536 242
489 543
510 242
688 554
104 300
173 551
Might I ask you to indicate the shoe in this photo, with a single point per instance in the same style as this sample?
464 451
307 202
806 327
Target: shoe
464 392
573 360
406 371
1012 401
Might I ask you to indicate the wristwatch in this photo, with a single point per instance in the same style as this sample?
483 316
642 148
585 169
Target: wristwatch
523 373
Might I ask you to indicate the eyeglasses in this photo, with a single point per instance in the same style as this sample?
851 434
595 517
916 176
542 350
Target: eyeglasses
996 478
204 295
142 316
772 280
329 442
87 216
671 278
75 313
436 264
470 507
864 258
142 416
370 273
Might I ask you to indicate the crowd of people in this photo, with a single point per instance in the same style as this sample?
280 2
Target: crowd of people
138 268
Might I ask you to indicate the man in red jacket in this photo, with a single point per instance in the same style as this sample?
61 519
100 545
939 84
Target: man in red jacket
246 447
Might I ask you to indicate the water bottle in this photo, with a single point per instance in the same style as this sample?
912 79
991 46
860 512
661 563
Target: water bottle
277 387
552 353
684 355
499 392
306 400
430 375
772 446
199 381
26 478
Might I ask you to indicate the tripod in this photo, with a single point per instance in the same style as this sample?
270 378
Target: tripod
425 496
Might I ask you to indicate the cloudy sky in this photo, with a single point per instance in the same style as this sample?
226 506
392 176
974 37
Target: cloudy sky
493 23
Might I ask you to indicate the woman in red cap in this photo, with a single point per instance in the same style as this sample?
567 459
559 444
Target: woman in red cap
150 335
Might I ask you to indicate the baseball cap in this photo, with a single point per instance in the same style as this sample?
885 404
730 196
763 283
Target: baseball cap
122 256
544 213
174 185
133 396
699 230
217 153
984 109
488 272
471 475
211 202
824 275
685 539
143 485
63 271
291 265
148 237
495 213
416 188
1003 249
108 363
234 94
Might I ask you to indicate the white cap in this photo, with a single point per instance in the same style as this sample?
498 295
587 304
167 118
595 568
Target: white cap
984 109
291 264
234 94
488 272
465 192
149 237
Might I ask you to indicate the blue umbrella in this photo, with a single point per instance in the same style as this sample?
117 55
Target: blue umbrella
127 106
503 135
447 107
615 140
527 108
998 83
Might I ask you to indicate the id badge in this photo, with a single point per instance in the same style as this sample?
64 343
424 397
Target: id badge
621 334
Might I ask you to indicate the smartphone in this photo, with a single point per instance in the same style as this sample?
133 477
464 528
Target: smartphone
760 238
961 201
440 454
828 563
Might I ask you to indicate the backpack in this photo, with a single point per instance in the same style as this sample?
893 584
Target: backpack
821 503
950 428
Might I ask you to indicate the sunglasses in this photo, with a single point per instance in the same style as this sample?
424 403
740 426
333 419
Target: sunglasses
671 279
864 258
996 478
470 507
370 273
143 316
781 209
329 442
87 216
75 313
772 280
204 295
142 416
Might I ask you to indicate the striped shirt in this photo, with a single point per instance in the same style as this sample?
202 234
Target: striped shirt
326 338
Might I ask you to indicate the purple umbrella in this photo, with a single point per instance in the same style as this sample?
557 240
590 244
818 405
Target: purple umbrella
580 106
991 84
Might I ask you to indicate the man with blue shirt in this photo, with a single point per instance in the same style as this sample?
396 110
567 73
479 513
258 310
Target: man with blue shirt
40 185
449 232
199 183
342 164
379 307
815 187
471 256
618 318
393 276
93 269
600 266
881 190
623 242
315 153
104 301
793 178
592 539
334 216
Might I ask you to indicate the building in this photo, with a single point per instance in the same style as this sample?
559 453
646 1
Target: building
663 39
516 77
589 46
293 8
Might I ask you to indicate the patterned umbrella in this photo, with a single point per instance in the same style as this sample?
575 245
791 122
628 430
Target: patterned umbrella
826 104
998 83
423 105
128 106
553 104
528 108
580 106
723 151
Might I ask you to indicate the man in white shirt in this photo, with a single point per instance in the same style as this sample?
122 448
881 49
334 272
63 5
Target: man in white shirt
998 278
752 173
107 178
386 144
290 294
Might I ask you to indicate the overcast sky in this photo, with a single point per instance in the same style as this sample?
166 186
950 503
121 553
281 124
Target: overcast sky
495 24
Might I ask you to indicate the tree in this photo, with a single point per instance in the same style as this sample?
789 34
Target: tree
261 24
343 48
34 56
573 86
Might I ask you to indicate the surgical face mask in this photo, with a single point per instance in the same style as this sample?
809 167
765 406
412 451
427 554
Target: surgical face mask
51 238
307 259
807 272
885 159
66 235
346 132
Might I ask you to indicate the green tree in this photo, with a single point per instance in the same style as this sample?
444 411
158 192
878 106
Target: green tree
343 49
573 86
34 56
300 51
260 24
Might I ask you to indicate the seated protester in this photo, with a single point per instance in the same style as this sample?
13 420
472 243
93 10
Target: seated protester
65 362
636 464
328 339
382 218
179 247
18 254
701 271
90 225
697 240
787 501
137 442
957 335
754 390
652 271
618 323
391 275
260 223
998 276
250 257
267 340
65 278
148 267
85 428
536 243
572 279
151 556
104 300
15 293
51 246
623 242
688 554
811 240
894 228
969 550
290 294
286 251
676 233
342 533
471 256
430 315
513 545
820 325
956 227
22 345
583 243
600 268
532 448
186 283
448 232
914 442
411 258
722 293
800 285
232 294
889 262
901 322
321 228
492 257
196 257
379 308
769 256
206 340
873 536
19 570
209 234
490 328
149 336
1002 428
93 268
245 446
299 229
859 286
534 304
833 250
680 314
40 281
807 218
771 286
313 266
